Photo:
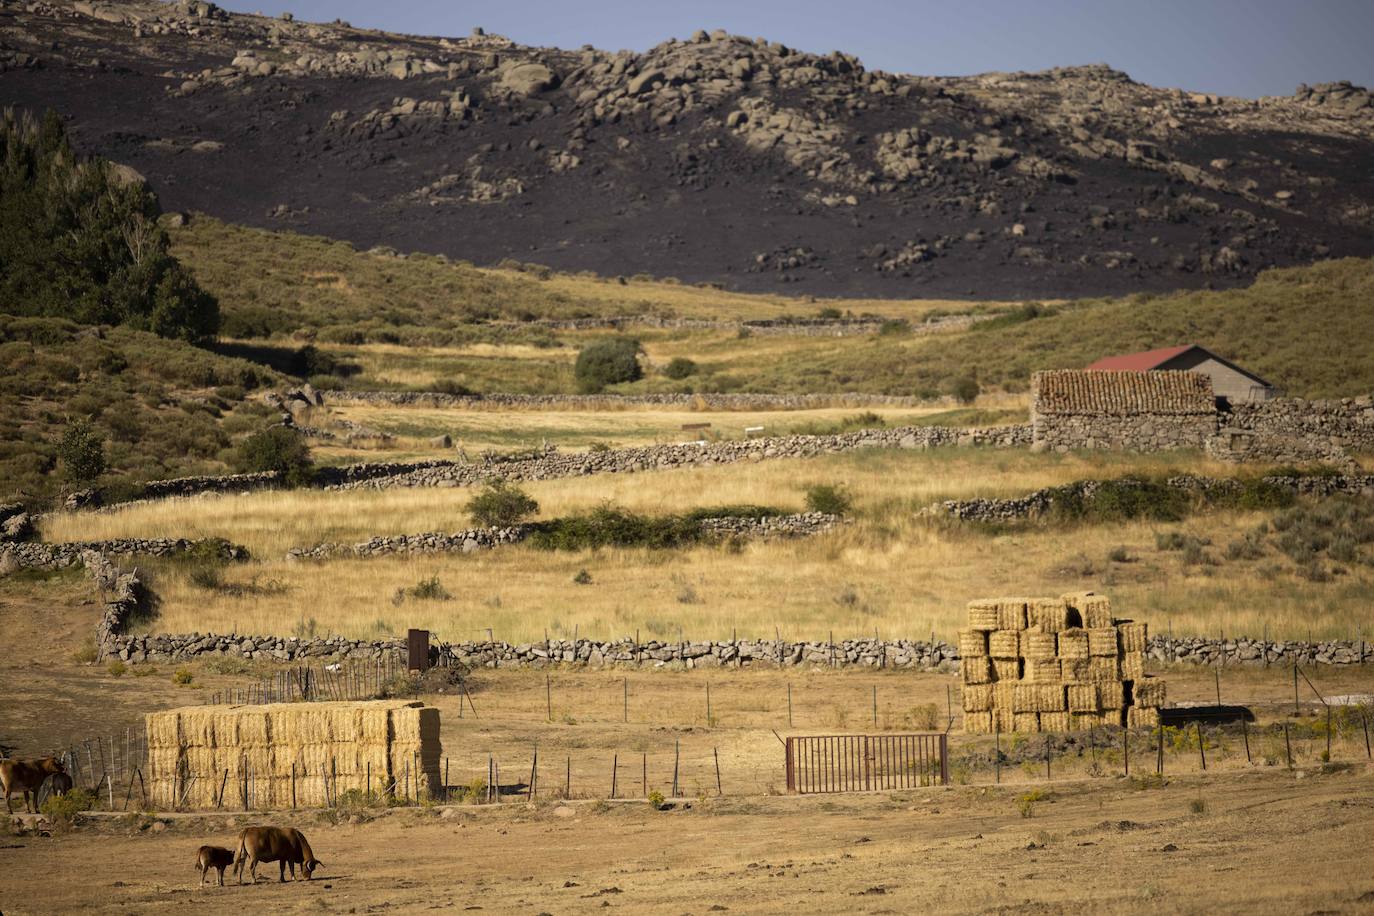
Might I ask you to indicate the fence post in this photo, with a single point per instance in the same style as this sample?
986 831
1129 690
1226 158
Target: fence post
615 766
1126 749
1159 751
1328 733
997 754
1365 722
1245 731
789 704
715 752
567 780
1201 751
875 704
548 694
1288 745
944 759
677 757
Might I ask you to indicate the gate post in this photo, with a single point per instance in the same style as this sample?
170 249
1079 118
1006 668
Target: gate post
868 763
791 775
944 759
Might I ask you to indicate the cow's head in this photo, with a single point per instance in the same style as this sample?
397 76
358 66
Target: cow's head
308 867
51 765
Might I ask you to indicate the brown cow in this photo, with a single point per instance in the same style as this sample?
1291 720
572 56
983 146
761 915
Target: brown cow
216 857
27 776
283 845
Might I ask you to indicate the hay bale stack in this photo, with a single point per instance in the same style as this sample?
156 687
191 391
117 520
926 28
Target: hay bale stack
269 756
1142 717
1054 664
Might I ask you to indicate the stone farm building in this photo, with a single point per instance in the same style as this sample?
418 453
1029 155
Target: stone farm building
1230 382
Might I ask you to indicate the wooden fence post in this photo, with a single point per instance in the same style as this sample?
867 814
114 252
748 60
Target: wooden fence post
715 752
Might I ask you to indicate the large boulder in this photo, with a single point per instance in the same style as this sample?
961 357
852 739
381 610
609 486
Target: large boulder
528 79
645 81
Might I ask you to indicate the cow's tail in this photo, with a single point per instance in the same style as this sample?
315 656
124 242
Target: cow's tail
242 855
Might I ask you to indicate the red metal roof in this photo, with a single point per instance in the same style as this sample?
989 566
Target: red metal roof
1140 362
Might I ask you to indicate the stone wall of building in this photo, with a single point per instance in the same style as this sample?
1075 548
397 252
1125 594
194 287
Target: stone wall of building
1139 411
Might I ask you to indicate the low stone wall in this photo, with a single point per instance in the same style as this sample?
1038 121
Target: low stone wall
1038 502
1345 423
1132 432
226 483
780 402
795 327
744 653
474 539
59 556
661 457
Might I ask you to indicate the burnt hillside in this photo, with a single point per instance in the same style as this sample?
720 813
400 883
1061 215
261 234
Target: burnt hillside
718 158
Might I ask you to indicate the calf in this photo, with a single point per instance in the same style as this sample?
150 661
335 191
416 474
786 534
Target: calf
26 776
216 857
283 845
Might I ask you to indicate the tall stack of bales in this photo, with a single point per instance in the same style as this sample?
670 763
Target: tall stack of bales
1054 664
291 754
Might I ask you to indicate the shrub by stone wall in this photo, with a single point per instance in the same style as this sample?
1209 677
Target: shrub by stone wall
1038 502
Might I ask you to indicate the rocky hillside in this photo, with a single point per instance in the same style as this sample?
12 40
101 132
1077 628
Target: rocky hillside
718 158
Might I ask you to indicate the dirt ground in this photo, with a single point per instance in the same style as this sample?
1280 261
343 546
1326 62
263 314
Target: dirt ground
1260 843
1243 835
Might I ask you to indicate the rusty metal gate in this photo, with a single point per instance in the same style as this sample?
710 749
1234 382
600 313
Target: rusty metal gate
861 763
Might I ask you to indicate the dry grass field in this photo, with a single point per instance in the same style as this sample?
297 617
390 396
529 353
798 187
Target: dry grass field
888 571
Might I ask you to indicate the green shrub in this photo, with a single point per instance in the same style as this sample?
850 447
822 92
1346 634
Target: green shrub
611 526
828 498
965 389
1025 803
582 578
894 327
501 504
611 361
275 449
430 589
81 453
61 810
86 653
680 367
183 677
1119 555
656 800
79 239
116 668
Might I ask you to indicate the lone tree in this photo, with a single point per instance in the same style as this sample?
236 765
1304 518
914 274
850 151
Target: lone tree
275 449
79 239
966 389
607 362
81 452
501 505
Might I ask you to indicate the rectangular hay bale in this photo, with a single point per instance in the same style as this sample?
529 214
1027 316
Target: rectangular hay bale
982 615
1011 614
1142 717
1111 695
1026 722
1073 643
1083 698
978 697
1050 615
1026 698
1132 666
978 723
1075 669
1134 636
1007 669
1051 697
1054 721
1148 692
973 643
1035 644
1103 670
1004 644
1043 671
977 670
1102 642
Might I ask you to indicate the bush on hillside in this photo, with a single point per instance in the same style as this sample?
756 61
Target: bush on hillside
607 362
965 389
79 239
680 368
501 505
828 498
81 453
275 449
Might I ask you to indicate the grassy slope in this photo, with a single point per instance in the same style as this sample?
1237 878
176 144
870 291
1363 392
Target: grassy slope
164 407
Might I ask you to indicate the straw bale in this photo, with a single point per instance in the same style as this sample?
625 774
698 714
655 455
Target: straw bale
1096 611
1111 695
1102 642
1054 721
1011 613
1073 643
1051 697
1050 614
1035 644
1026 722
973 643
1103 671
1007 669
1133 666
1005 718
1082 721
164 729
1004 644
982 615
1003 696
1026 698
1142 717
978 697
1074 669
1134 636
1043 671
1083 698
976 670
1149 692
978 723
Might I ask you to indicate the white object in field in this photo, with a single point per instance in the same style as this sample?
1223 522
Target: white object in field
752 430
334 667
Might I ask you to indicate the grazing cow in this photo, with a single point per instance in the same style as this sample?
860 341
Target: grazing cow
216 857
283 845
26 776
59 784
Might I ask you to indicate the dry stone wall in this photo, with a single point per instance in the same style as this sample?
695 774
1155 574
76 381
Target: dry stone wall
31 555
662 457
705 401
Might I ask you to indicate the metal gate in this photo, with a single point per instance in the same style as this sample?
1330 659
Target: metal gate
861 763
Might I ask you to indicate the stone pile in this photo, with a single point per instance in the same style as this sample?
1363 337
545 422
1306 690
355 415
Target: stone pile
1054 665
